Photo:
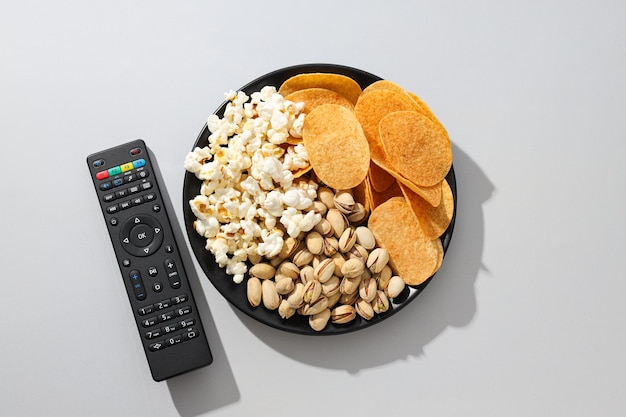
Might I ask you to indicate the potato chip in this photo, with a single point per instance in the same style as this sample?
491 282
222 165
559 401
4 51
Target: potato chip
416 147
313 97
433 220
412 255
371 108
341 84
383 85
379 198
379 178
336 146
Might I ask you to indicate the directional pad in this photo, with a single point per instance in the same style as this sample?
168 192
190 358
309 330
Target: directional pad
141 235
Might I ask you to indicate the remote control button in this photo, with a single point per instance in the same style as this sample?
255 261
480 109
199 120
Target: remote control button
149 322
135 151
157 346
150 197
137 284
134 189
145 310
183 310
137 201
141 235
125 205
157 287
156 208
113 209
168 315
162 304
186 323
129 177
191 333
138 163
118 181
128 166
145 185
180 299
153 271
107 198
102 175
126 262
173 340
169 248
121 193
106 186
151 334
115 171
172 273
98 163
170 328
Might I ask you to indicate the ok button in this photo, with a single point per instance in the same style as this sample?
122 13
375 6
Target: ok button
141 235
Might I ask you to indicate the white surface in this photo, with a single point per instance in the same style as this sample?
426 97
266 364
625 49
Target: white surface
527 315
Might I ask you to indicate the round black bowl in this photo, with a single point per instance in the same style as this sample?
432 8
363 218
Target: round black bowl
236 293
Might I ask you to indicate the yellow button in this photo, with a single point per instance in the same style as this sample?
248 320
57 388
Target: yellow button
127 166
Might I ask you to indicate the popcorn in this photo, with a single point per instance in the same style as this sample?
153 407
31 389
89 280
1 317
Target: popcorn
249 198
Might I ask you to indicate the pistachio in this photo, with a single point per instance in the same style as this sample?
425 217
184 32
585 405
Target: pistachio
383 277
380 303
367 289
349 299
320 207
331 287
350 285
302 257
254 258
395 287
254 291
352 268
324 270
289 269
358 252
315 243
377 259
262 271
347 240
342 314
296 298
326 196
315 307
285 310
285 286
333 299
312 291
339 260
365 237
323 228
290 245
359 213
364 309
306 274
337 220
319 321
331 246
270 297
344 202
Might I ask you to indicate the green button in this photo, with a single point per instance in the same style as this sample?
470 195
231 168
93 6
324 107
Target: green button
115 170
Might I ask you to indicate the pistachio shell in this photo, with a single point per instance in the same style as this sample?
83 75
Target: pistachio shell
380 303
254 291
347 240
352 268
315 307
323 228
358 252
365 237
383 277
331 287
315 243
319 321
306 274
302 257
344 202
296 298
320 207
342 314
377 259
368 289
331 246
271 298
350 285
395 287
285 310
337 220
290 246
326 196
262 271
285 286
324 270
312 291
289 269
359 213
364 309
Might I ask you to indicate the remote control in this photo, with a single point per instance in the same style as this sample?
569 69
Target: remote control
163 304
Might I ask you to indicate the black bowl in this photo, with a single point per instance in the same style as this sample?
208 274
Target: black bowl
236 293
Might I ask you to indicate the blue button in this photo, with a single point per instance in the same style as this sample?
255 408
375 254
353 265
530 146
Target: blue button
139 163
118 182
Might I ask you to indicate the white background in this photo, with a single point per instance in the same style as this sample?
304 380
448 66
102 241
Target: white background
525 318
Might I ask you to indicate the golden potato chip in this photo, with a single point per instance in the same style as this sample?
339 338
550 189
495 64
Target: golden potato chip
412 255
383 85
379 198
363 195
379 178
431 194
336 146
371 108
313 97
433 220
341 84
416 147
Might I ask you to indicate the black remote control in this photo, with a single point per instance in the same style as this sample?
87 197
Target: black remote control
152 270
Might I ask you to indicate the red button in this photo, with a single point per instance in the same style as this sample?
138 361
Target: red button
102 175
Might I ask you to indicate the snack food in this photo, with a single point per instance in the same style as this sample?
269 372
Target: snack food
324 271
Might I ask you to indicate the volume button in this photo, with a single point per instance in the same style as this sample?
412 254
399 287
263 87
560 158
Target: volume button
137 283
